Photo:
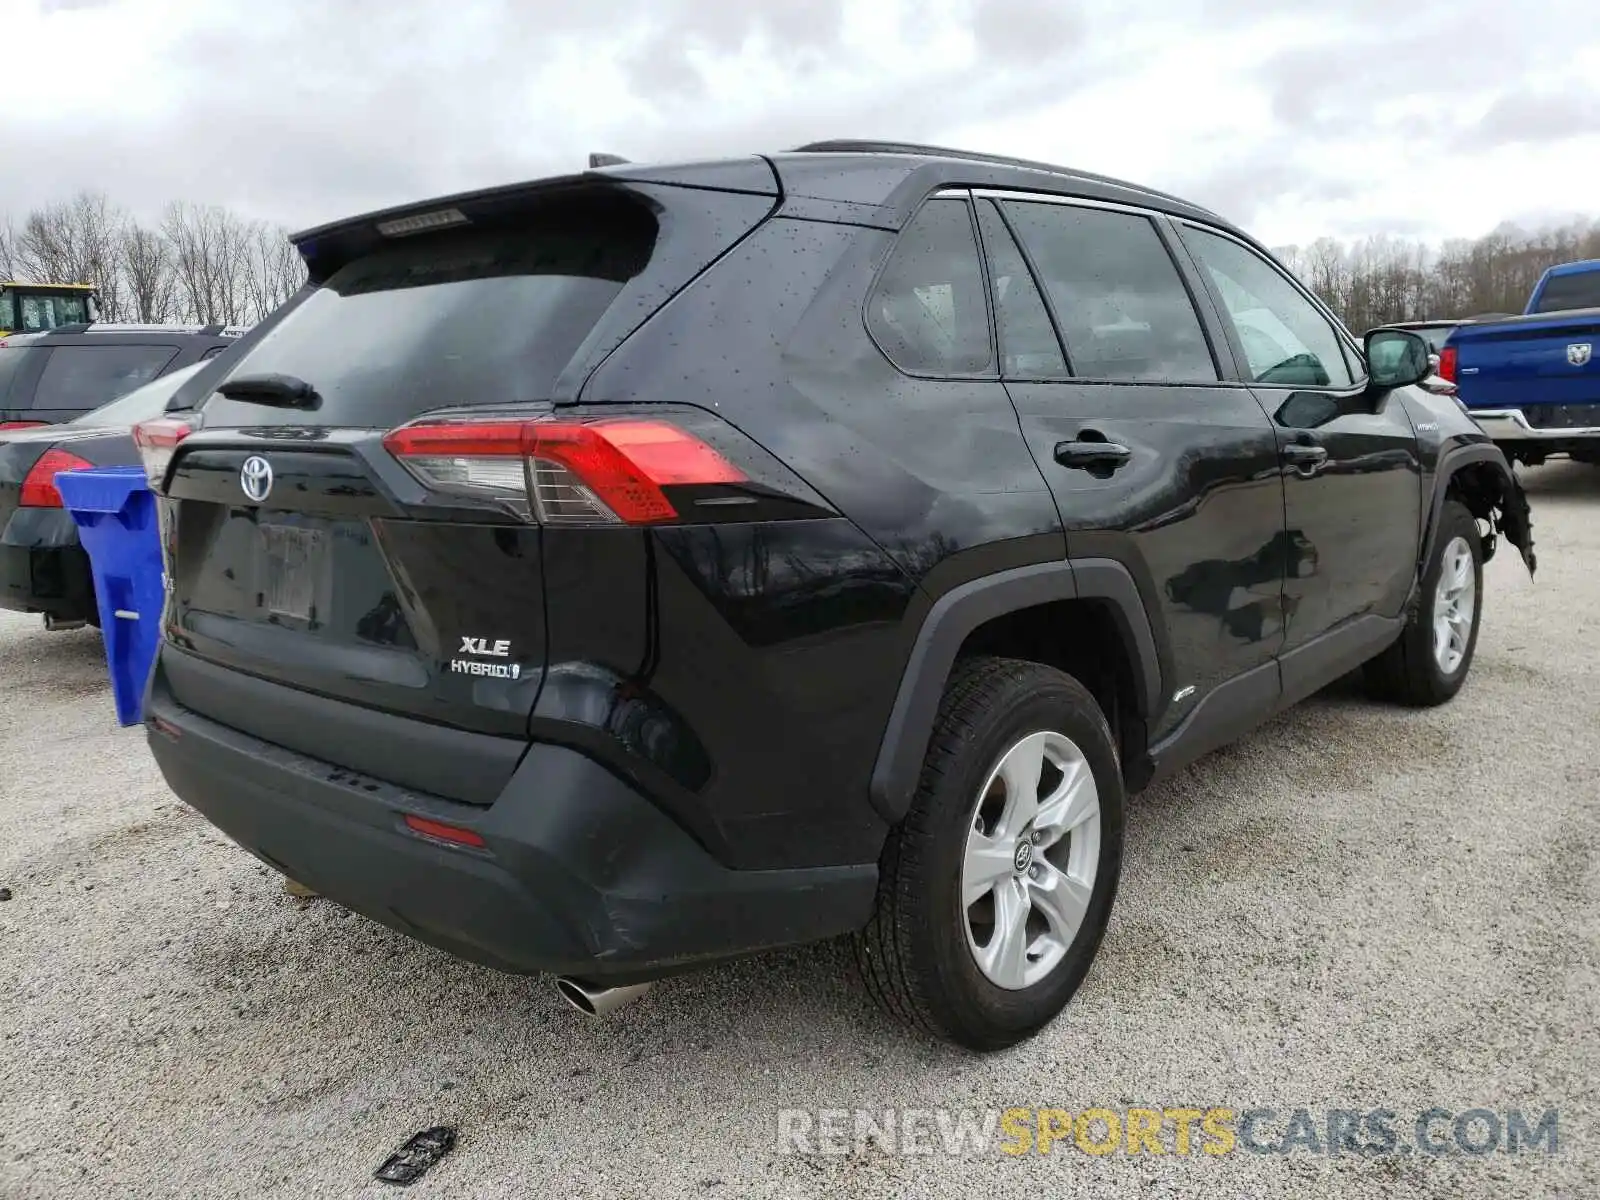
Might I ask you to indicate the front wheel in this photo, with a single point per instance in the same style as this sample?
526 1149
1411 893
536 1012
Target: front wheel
995 890
1430 661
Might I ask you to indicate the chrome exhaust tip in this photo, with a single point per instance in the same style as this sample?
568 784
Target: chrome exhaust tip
60 624
593 1000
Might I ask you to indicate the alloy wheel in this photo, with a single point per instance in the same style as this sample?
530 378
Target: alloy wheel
1033 848
1454 604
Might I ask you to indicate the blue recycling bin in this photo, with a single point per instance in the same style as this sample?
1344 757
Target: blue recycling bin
116 516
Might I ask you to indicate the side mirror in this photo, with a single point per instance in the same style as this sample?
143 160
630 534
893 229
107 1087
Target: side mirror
1396 358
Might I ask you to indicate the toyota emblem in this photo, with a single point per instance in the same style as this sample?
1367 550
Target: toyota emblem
255 478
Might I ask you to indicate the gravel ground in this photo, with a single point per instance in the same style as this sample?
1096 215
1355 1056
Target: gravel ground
1356 907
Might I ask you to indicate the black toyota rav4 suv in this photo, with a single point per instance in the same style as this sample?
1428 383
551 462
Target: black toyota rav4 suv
616 573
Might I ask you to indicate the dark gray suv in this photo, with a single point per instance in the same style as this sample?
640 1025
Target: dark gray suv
47 378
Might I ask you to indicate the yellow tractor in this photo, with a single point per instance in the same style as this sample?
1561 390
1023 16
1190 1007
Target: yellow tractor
36 307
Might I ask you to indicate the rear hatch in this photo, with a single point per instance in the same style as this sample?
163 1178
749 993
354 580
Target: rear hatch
397 587
1526 362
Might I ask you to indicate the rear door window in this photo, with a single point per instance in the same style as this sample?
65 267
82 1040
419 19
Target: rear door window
79 377
1123 309
1029 348
477 317
928 312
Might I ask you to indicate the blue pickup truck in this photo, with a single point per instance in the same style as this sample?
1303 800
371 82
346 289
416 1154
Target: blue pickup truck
1533 382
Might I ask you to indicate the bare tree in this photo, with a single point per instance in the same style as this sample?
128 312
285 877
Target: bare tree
1382 279
210 257
273 269
146 263
1326 271
1292 257
76 241
8 263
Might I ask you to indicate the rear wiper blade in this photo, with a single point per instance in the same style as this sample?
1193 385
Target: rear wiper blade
280 391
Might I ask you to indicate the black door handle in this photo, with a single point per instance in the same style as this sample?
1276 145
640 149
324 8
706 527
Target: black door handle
1305 456
1092 454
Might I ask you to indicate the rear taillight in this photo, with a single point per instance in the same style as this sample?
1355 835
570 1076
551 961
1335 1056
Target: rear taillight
39 488
4 425
603 471
157 440
1447 364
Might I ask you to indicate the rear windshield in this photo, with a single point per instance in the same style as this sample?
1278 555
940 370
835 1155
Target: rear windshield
140 404
1579 290
79 377
460 318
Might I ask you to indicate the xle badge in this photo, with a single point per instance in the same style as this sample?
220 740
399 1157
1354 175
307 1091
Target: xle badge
483 646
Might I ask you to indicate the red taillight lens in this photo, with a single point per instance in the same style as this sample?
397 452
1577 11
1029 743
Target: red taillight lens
157 440
1447 364
22 424
606 471
443 832
39 488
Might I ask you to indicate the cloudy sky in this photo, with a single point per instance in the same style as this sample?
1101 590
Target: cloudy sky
1432 118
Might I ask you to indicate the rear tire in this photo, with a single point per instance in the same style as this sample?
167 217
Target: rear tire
921 956
1430 661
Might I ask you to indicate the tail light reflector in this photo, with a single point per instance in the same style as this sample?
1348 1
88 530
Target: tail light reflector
22 424
39 488
607 471
157 440
164 726
1447 364
444 833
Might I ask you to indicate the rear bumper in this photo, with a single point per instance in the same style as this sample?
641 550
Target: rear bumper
43 569
1512 425
580 875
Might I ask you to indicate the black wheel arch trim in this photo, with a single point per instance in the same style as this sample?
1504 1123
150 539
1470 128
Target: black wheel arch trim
963 609
1516 522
